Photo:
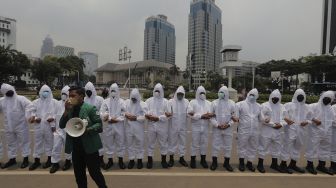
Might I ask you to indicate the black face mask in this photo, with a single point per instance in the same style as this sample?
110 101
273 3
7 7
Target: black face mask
10 93
300 98
275 100
88 93
179 96
134 100
326 100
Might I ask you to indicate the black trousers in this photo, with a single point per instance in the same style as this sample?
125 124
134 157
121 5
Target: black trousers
81 160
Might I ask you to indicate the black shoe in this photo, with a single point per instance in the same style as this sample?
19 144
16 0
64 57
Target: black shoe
284 169
164 163
67 165
227 165
204 163
275 165
214 164
260 166
47 164
121 163
332 168
241 165
109 164
193 162
150 162
10 163
292 166
102 163
171 161
249 166
131 164
322 168
139 165
310 167
183 162
25 163
35 165
54 168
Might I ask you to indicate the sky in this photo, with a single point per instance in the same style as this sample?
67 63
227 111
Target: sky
266 29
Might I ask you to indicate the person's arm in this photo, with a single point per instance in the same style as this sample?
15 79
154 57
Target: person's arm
104 111
141 117
121 116
191 112
163 117
96 121
213 120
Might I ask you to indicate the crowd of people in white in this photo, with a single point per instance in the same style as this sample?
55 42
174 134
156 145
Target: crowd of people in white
272 128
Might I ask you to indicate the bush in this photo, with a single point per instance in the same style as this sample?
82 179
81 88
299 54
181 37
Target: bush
287 98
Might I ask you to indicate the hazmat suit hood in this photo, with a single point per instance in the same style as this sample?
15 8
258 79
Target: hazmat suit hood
159 87
329 94
255 93
199 90
296 94
90 86
275 93
225 90
65 90
179 90
5 88
115 87
43 89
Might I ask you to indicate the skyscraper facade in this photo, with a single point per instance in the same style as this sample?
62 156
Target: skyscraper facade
47 48
7 32
159 40
204 39
329 27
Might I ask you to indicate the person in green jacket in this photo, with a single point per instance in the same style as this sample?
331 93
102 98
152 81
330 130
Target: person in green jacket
84 148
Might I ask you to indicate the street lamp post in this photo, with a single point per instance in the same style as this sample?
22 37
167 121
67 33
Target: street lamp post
77 76
124 55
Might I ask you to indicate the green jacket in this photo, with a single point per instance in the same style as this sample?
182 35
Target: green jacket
90 139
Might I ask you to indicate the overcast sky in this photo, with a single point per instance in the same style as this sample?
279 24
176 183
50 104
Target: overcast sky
266 29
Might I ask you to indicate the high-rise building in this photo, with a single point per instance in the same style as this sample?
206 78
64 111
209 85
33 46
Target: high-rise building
7 32
63 51
160 41
91 62
329 27
47 48
204 39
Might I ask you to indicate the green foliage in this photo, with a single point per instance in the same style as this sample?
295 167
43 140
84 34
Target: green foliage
287 98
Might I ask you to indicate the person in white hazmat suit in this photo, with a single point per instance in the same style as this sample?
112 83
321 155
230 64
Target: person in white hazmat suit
199 110
43 113
135 128
14 108
271 137
320 134
249 115
157 116
297 118
59 137
112 112
222 132
332 168
92 98
178 127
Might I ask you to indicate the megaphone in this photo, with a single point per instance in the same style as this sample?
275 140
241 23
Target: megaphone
75 127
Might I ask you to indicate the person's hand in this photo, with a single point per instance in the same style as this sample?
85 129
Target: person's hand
317 122
191 114
49 120
235 119
130 117
207 116
289 122
53 129
168 114
37 120
224 126
303 124
267 120
31 120
106 117
277 126
113 120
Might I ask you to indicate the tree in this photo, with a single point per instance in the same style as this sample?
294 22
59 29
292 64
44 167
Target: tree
46 70
13 63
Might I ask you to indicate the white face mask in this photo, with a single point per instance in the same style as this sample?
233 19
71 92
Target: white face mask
64 97
252 98
156 94
203 97
113 94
